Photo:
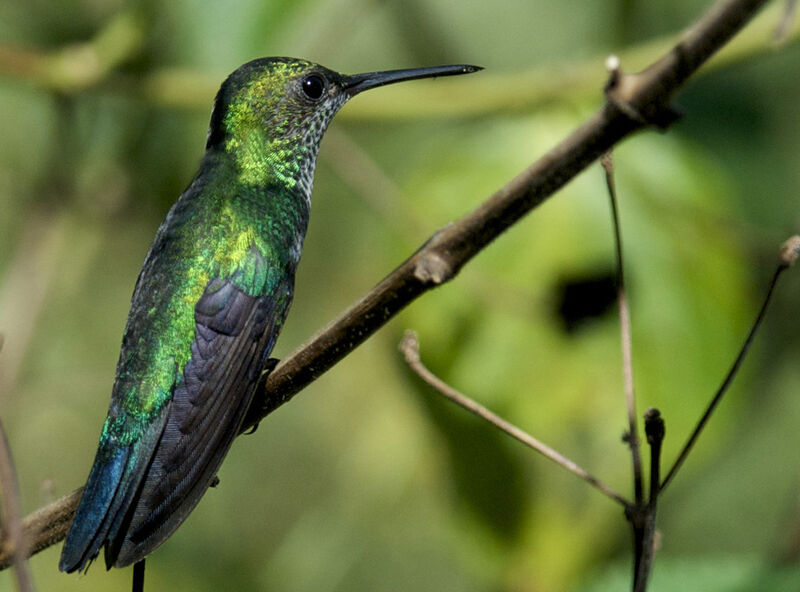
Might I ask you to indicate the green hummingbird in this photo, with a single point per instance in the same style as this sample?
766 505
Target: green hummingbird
208 305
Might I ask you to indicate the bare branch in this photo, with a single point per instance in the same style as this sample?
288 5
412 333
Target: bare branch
43 528
647 94
637 515
626 341
655 431
410 348
12 516
790 250
784 27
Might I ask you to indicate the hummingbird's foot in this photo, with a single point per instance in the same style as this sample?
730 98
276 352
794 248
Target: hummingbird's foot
269 366
214 481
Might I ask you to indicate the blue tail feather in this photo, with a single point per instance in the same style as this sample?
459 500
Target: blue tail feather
91 521
108 497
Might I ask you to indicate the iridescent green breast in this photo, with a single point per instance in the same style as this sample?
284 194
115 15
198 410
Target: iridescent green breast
250 236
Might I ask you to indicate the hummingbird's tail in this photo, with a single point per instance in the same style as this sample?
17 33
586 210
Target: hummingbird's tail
106 500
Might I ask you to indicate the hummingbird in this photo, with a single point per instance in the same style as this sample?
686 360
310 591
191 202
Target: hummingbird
209 302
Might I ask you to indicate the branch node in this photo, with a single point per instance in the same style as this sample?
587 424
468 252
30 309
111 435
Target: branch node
409 345
790 251
613 65
432 268
622 90
654 426
607 162
636 515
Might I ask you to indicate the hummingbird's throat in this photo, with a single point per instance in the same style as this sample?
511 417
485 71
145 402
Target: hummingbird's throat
261 161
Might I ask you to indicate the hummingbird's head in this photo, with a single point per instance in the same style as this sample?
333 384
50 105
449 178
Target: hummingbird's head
271 113
281 98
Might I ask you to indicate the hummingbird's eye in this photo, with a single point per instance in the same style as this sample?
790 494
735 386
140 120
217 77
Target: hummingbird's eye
313 86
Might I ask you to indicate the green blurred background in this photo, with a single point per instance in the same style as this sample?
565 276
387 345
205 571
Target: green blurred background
367 480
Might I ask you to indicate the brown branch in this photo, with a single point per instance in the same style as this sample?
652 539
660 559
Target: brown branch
45 527
784 27
626 341
790 250
647 95
636 513
12 529
410 348
655 431
633 102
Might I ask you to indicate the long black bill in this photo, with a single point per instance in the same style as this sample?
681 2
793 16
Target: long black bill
359 82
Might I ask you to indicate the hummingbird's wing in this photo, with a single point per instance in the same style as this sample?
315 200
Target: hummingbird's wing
137 495
234 334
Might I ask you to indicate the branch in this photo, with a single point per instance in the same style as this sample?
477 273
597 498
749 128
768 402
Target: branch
646 95
626 341
634 102
655 431
634 512
410 348
788 20
790 251
10 511
43 528
12 523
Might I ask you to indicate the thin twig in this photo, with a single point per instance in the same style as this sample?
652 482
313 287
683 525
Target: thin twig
655 431
409 345
11 525
781 35
12 515
789 253
647 94
632 437
24 285
626 342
